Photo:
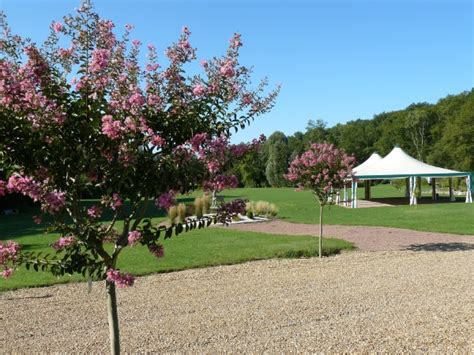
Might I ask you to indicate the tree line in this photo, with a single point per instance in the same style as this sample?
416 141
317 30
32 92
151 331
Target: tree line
440 134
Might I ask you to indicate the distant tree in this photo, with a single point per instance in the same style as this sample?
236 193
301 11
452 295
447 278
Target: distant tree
418 123
316 132
277 162
296 144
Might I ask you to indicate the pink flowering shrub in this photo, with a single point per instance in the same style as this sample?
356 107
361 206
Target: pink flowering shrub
322 169
82 113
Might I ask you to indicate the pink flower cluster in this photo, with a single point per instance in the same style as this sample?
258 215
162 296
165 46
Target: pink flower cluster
94 212
100 60
52 201
134 237
221 182
64 242
120 279
199 90
157 250
166 200
9 253
116 201
322 168
227 70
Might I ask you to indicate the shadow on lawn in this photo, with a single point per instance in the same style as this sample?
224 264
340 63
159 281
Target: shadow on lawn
441 247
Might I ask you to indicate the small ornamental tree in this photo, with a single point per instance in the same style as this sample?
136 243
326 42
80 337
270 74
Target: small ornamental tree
322 169
81 114
219 156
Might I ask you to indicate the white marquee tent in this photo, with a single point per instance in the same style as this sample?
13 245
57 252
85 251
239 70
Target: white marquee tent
398 165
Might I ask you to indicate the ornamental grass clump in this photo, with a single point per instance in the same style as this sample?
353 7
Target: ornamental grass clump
181 210
87 111
206 204
261 208
172 214
198 206
322 169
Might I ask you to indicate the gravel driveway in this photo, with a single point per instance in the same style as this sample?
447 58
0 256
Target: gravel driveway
379 301
368 238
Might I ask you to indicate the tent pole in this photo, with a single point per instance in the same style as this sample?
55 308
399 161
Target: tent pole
345 194
468 189
407 187
451 192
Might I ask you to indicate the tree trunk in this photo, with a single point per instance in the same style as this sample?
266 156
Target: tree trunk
112 316
320 231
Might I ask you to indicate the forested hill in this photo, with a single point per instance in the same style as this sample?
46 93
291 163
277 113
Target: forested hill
441 134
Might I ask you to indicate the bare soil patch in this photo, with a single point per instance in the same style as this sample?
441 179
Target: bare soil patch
368 238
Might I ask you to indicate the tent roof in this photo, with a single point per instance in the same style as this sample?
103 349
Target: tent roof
375 157
398 164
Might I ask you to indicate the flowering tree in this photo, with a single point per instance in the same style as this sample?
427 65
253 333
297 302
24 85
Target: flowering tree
80 113
219 155
322 169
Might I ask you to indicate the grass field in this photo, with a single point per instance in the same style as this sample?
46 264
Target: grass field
300 206
216 246
199 248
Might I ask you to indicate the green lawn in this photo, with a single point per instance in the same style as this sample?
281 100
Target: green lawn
199 248
217 246
448 217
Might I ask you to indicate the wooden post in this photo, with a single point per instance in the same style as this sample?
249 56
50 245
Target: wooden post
367 189
407 187
433 189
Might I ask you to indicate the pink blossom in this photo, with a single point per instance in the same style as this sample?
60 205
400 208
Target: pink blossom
185 30
64 242
37 219
227 70
6 273
116 201
157 250
235 41
121 280
94 212
137 99
129 27
57 27
136 42
100 60
199 90
152 67
9 253
157 141
110 127
134 237
166 200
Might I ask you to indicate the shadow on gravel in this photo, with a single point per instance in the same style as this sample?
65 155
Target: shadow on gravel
441 247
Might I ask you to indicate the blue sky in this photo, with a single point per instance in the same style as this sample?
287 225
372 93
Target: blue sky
336 60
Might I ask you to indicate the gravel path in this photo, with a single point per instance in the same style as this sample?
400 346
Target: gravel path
397 301
368 238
